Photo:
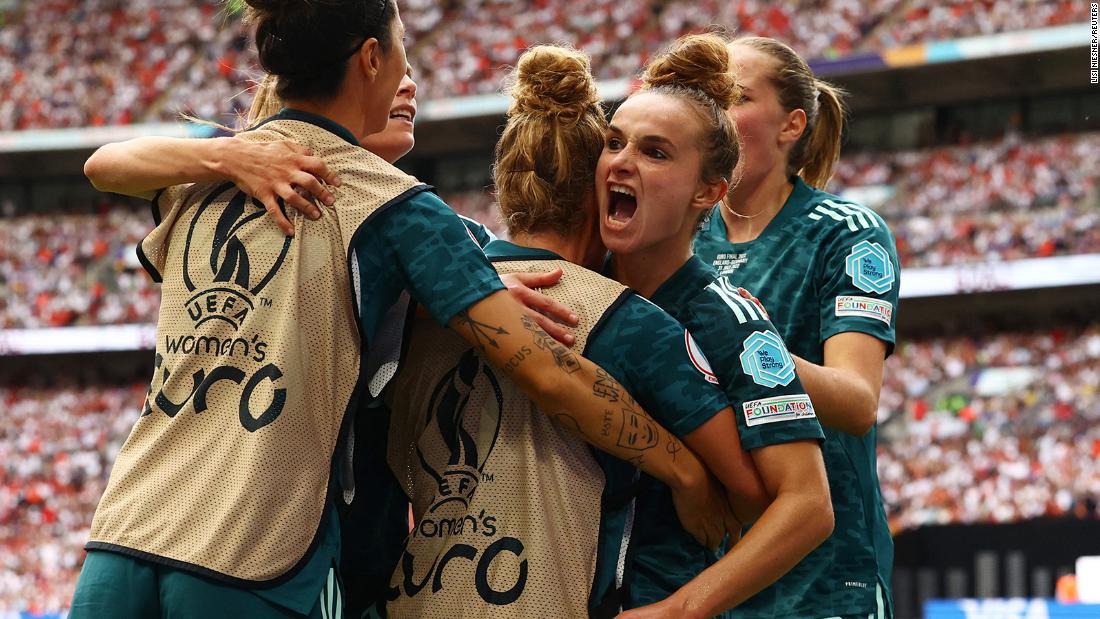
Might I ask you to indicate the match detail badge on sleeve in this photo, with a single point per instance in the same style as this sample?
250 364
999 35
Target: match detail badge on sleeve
870 268
766 360
779 408
864 307
698 359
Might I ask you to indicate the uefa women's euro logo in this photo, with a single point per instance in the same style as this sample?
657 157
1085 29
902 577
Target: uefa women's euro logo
224 273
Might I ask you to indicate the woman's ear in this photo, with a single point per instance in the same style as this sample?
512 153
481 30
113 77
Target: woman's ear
370 59
794 126
710 194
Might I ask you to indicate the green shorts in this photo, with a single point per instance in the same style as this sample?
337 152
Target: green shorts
881 610
115 586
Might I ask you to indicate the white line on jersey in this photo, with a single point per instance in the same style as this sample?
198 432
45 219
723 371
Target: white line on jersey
744 309
855 215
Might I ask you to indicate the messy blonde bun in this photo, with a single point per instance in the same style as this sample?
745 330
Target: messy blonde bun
552 80
546 157
696 62
696 70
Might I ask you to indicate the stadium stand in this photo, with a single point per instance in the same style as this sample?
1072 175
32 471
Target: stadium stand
974 429
1001 200
998 428
56 448
985 428
71 63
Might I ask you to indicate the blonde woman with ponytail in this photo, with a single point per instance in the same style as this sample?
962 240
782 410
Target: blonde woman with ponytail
667 160
827 269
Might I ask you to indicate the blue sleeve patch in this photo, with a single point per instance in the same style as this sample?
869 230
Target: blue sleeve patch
870 268
766 360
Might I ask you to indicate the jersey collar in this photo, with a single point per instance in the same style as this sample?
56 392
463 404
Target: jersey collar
800 197
684 284
308 117
500 249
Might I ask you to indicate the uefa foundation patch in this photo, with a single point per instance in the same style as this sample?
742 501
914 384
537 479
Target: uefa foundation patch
766 360
779 408
865 307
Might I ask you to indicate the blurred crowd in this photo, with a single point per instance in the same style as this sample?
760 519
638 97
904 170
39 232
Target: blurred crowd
56 449
78 63
996 200
1001 200
992 429
972 429
74 63
65 269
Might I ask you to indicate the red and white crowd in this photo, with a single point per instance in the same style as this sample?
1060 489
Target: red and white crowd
1000 200
76 63
972 429
56 448
995 200
991 429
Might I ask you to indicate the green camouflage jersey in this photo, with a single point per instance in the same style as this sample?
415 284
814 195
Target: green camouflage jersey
652 356
749 360
824 266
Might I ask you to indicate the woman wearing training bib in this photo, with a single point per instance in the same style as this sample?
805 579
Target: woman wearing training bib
221 501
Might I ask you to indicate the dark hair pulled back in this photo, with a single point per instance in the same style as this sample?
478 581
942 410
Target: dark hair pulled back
306 43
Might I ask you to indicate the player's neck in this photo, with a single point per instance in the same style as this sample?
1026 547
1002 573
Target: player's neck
756 205
647 269
337 110
584 249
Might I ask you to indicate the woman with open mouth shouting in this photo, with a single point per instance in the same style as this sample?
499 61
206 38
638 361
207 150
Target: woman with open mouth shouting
669 153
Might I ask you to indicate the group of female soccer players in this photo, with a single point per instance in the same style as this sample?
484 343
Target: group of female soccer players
277 482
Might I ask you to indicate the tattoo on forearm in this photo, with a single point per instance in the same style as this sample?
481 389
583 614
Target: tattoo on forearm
637 431
570 423
566 359
674 447
605 386
484 333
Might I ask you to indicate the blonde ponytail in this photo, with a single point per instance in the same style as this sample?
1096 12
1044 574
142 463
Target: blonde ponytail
822 149
815 153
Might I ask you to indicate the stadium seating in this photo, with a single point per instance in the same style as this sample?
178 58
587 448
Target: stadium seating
1001 200
986 429
69 63
56 449
991 429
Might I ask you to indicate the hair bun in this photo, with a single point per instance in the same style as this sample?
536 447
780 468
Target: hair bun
552 79
697 61
270 8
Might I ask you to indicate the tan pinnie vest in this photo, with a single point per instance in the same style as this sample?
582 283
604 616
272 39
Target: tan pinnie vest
257 357
506 502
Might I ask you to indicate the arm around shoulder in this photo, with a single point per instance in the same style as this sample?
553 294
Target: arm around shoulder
575 393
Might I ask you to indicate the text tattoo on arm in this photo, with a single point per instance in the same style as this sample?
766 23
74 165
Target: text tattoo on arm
566 359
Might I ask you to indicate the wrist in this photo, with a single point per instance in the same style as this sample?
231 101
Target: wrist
687 605
688 472
216 158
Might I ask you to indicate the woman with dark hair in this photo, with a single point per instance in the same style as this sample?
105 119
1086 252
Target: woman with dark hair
222 500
